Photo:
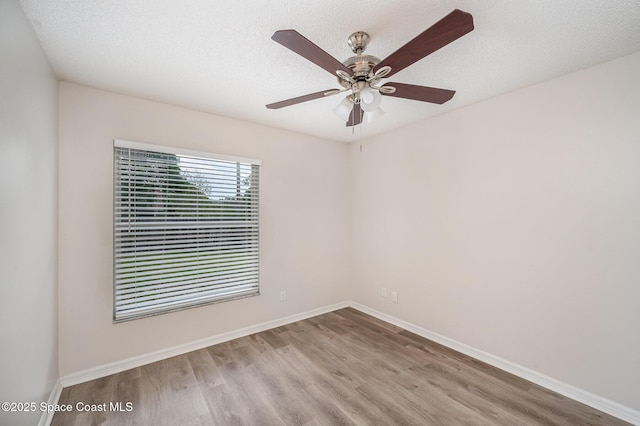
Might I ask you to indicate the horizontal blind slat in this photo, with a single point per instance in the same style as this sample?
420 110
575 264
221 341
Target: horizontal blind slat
173 293
151 306
175 274
160 290
121 225
154 265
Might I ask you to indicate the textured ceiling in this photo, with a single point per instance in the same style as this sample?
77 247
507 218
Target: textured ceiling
217 56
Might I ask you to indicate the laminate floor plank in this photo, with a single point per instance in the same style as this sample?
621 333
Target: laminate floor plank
224 408
441 353
292 368
325 385
489 390
243 384
205 369
168 390
341 368
329 355
360 318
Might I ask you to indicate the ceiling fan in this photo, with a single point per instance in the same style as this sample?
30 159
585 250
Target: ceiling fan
361 74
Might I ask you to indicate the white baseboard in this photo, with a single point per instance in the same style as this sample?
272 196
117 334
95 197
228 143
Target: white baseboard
126 364
54 396
605 405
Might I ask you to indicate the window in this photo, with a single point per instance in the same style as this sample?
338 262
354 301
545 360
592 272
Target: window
185 229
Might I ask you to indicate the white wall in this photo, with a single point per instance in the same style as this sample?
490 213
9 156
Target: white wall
303 190
28 217
513 226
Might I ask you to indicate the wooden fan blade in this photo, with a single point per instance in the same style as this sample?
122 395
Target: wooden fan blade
305 98
295 41
356 116
448 29
420 93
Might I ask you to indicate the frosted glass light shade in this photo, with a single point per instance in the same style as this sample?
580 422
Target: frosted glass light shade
369 99
369 116
344 109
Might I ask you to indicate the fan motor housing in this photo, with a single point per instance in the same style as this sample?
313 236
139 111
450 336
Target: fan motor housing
361 65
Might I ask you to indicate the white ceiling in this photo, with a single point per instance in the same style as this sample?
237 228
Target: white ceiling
217 56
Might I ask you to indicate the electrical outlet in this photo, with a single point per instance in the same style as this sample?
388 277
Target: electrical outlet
283 296
383 292
394 296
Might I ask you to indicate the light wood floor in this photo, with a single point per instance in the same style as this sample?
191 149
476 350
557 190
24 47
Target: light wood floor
341 368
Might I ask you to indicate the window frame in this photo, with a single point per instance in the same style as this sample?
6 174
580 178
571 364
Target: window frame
254 239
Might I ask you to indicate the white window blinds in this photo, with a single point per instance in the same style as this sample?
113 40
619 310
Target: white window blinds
185 229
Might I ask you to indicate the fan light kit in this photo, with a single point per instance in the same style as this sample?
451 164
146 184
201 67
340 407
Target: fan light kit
361 74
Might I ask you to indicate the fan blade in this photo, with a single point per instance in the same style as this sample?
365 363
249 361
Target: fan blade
448 29
305 98
420 93
295 41
356 116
